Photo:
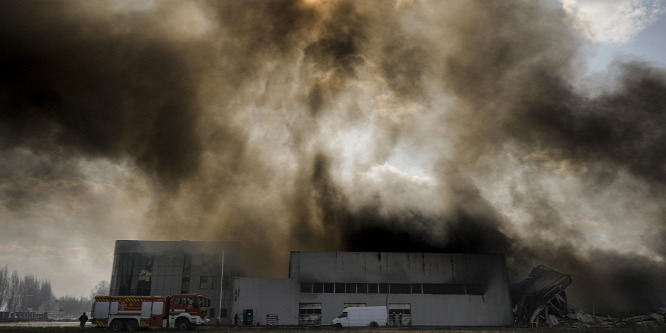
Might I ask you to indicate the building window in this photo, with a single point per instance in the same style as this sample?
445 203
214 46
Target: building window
339 288
203 282
350 288
383 288
187 268
393 288
306 287
452 289
216 283
400 288
416 288
475 289
226 283
185 285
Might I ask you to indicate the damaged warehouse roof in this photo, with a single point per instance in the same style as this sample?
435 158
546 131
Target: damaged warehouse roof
540 297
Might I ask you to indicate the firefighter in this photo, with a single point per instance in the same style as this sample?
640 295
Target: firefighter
83 319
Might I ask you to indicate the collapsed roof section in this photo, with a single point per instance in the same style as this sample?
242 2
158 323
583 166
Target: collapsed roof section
540 298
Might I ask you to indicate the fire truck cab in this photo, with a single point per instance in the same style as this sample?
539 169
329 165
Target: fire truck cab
119 313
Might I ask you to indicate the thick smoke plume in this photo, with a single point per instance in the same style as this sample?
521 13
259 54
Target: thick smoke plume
458 126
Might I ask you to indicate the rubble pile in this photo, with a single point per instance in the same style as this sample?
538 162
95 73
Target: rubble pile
540 301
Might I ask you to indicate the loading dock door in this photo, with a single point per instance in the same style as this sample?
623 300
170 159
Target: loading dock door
400 314
309 314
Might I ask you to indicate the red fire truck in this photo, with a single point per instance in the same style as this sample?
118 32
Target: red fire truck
183 311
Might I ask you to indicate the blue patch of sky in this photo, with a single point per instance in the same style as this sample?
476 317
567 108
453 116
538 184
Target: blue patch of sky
649 45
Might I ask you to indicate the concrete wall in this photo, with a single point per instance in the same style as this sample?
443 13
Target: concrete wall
267 296
394 267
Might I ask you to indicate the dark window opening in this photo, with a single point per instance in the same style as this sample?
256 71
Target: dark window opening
329 288
203 282
226 282
350 288
444 289
400 288
339 288
383 288
475 289
185 285
306 287
187 268
416 288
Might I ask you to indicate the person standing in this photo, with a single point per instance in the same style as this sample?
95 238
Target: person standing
236 319
83 319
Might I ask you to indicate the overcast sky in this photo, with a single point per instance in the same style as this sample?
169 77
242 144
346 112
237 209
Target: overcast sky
241 164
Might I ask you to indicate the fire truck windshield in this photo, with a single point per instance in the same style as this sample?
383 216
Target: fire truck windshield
202 301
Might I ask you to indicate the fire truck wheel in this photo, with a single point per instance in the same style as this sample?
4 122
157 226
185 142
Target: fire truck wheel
116 325
131 325
182 324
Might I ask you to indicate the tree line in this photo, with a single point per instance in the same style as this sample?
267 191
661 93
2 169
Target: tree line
29 294
19 293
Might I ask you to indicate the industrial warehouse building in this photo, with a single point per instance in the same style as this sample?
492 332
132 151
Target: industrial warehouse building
418 288
433 289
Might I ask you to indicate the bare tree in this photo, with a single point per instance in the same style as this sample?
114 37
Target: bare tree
15 294
100 289
45 292
4 287
21 293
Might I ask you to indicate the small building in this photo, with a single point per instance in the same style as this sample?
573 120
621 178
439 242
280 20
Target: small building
161 268
428 289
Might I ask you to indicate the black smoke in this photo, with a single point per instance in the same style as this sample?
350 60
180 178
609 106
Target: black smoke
269 122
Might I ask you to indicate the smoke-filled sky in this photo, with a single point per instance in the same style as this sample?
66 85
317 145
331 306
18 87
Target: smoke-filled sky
531 128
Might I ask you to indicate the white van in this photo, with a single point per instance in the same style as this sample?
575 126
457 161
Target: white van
372 316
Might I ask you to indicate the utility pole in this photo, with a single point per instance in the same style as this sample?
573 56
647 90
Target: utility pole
219 316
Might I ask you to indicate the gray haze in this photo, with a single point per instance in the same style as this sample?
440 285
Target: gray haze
458 126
